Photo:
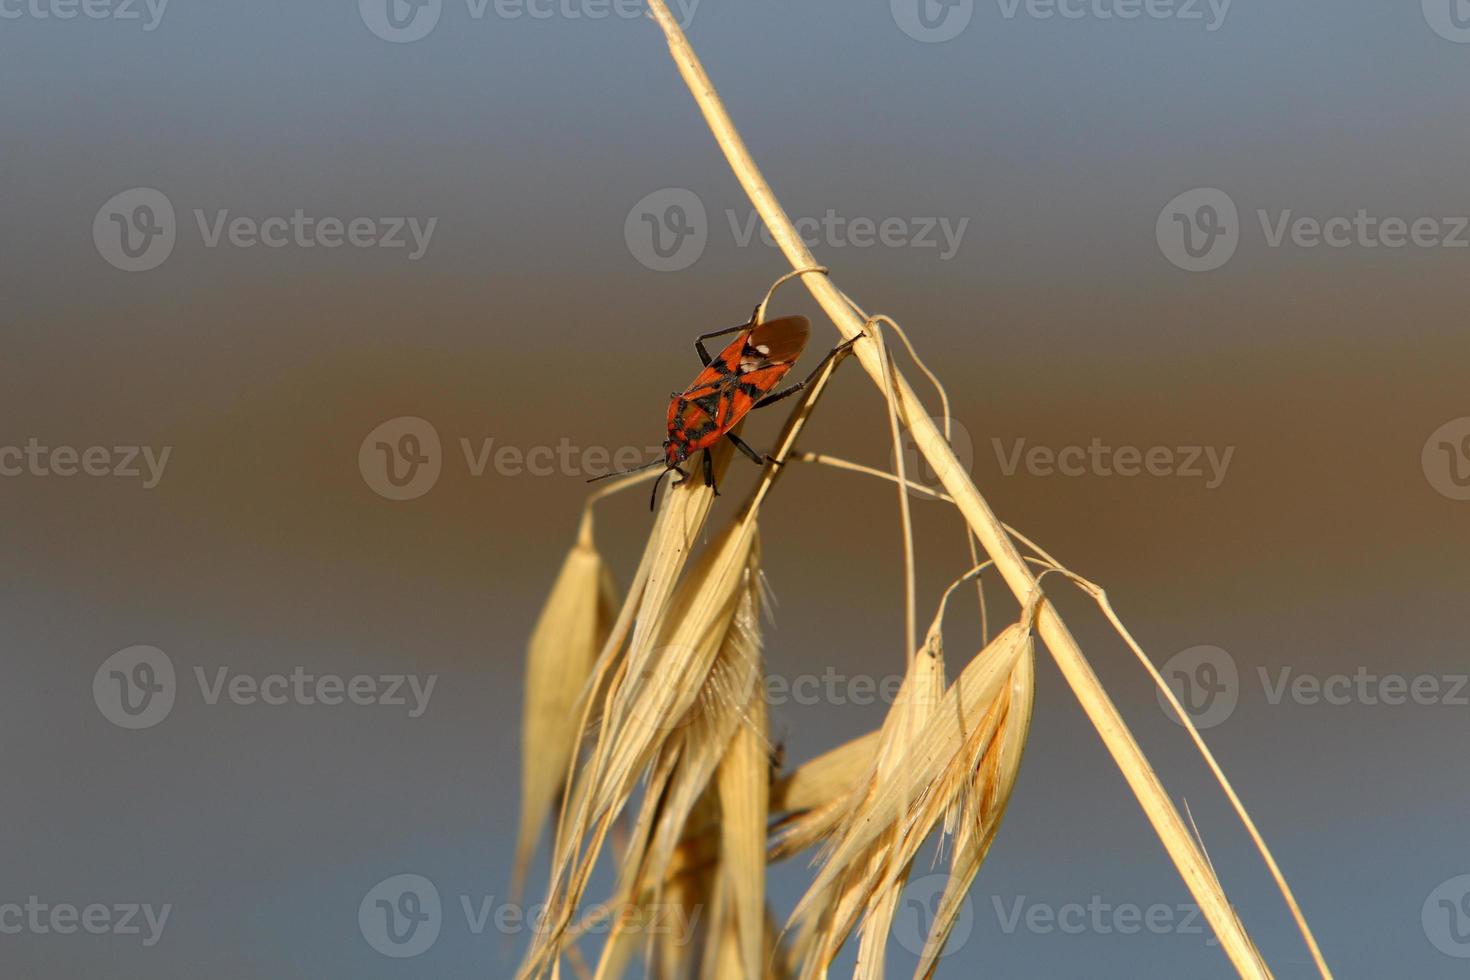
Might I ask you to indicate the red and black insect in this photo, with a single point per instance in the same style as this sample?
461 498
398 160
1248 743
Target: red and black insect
737 380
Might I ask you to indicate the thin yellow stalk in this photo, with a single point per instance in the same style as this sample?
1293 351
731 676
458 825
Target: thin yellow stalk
944 413
906 521
1095 702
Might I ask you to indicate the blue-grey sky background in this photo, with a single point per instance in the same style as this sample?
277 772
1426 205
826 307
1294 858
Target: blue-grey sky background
1332 545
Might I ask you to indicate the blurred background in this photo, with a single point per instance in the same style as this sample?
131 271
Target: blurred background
1194 275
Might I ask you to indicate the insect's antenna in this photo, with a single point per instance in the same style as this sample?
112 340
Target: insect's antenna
648 465
653 496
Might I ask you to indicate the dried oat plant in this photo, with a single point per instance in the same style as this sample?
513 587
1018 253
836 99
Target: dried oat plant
645 740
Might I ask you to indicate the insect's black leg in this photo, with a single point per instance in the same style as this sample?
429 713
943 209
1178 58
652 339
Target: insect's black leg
741 445
783 393
682 476
837 351
709 472
704 355
653 494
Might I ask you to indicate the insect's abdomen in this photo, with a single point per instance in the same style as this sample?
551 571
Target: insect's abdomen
691 421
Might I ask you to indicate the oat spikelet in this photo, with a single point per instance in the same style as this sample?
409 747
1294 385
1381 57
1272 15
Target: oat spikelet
827 918
985 796
728 712
583 827
910 716
900 811
570 631
654 697
744 782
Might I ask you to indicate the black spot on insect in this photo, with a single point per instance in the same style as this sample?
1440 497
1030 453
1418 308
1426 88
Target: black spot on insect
709 404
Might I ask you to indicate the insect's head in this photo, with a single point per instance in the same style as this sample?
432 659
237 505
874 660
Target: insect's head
675 452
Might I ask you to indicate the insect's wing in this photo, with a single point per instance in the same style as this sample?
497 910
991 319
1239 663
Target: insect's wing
779 341
768 352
